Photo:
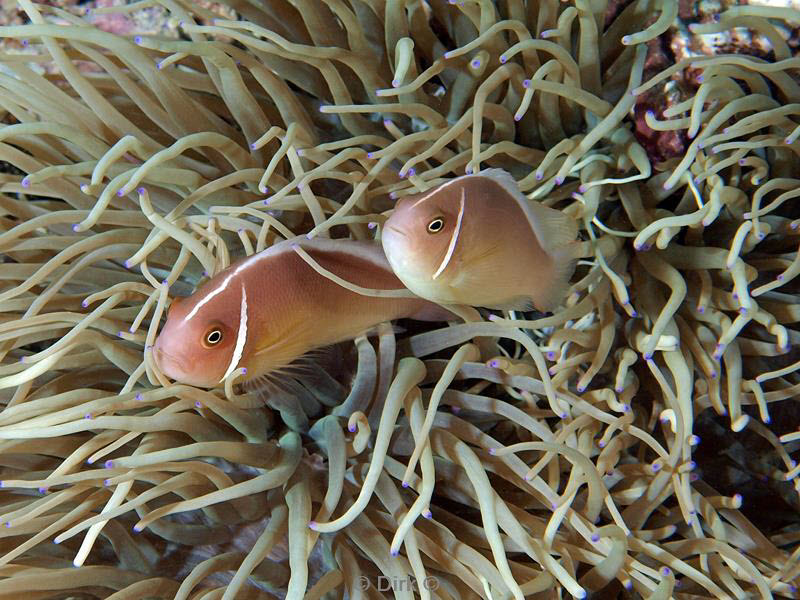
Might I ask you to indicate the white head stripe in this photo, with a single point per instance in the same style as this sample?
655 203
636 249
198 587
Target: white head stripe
208 297
453 238
434 190
241 337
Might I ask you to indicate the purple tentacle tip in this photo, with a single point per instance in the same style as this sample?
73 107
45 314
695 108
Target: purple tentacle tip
427 514
394 552
372 225
25 182
526 83
106 482
619 390
468 170
779 277
244 370
309 236
492 451
87 416
595 537
563 415
503 58
84 304
412 172
655 467
25 43
138 396
648 355
581 388
42 490
370 154
351 428
559 180
494 363
76 227
601 444
137 39
198 404
626 407
22 359
395 83
476 63
109 464
140 191
312 525
121 192
701 309
666 571
137 528
405 484
539 175
253 146
767 419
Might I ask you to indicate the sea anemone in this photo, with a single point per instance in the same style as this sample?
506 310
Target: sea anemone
516 455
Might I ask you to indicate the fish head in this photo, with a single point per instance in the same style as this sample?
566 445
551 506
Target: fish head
419 234
198 342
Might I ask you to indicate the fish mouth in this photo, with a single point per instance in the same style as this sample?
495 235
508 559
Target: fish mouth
396 230
169 364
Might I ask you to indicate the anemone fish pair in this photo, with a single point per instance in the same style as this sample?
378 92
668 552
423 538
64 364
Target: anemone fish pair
475 240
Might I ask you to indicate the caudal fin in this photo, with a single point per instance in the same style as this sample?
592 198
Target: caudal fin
547 296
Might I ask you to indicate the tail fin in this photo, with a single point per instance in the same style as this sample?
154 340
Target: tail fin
565 258
557 233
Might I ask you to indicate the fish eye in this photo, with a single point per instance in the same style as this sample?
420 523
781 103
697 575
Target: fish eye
213 337
436 225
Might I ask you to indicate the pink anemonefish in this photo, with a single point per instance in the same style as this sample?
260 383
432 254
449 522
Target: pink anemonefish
477 240
267 310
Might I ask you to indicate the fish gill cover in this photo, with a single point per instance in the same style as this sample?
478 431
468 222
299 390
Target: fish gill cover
637 442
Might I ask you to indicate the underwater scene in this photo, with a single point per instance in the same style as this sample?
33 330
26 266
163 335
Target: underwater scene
363 299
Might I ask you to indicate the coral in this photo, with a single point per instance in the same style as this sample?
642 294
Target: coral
518 455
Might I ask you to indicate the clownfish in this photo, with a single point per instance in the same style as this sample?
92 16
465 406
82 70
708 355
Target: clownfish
477 240
266 310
